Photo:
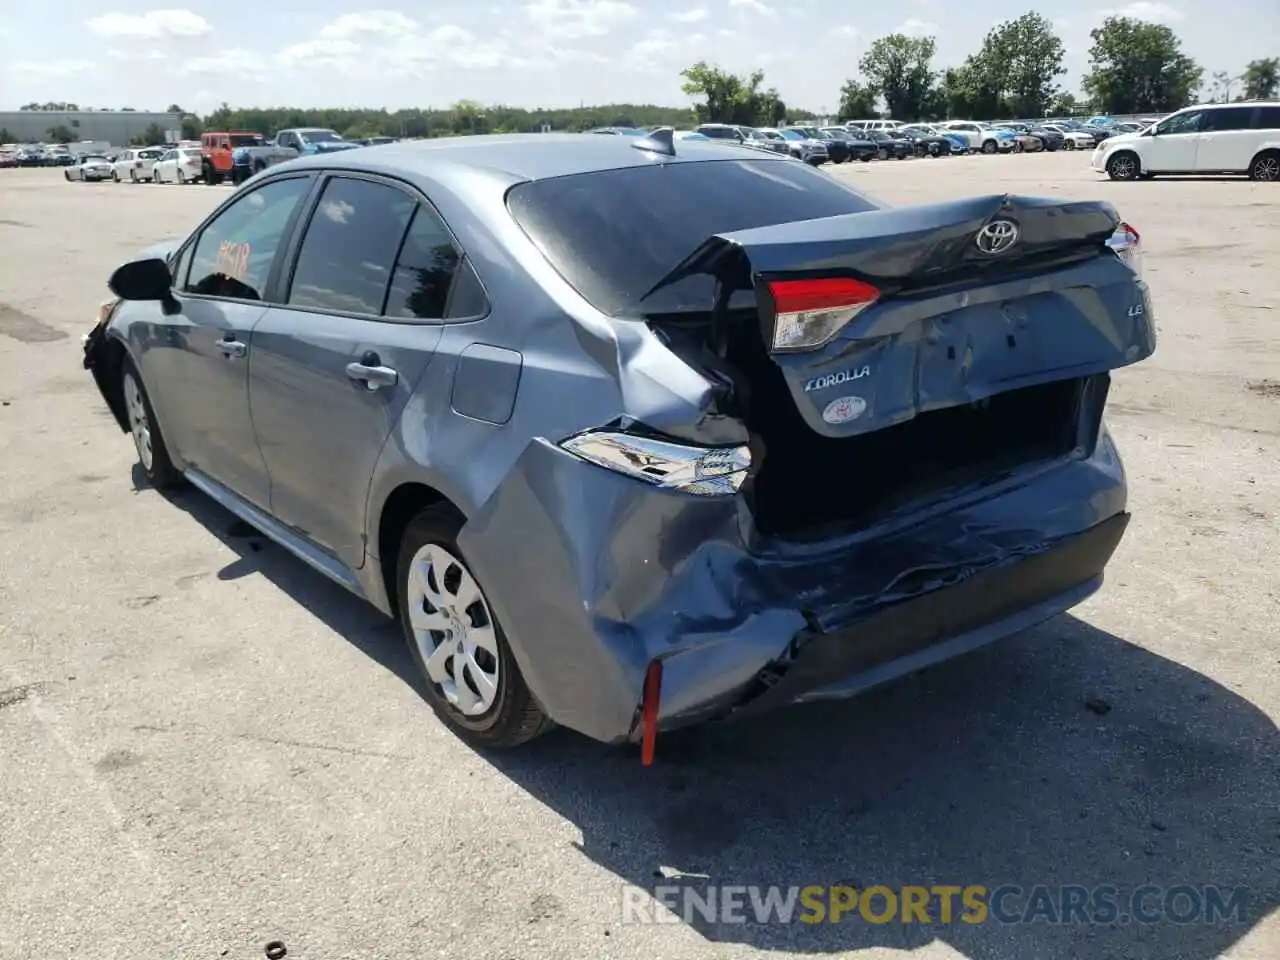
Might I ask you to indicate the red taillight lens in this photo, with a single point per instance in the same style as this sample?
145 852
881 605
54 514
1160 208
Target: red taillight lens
1127 244
808 313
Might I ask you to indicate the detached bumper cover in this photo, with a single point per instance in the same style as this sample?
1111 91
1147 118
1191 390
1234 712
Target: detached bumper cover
593 575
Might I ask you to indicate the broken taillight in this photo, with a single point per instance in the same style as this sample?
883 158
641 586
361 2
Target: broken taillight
1127 244
808 313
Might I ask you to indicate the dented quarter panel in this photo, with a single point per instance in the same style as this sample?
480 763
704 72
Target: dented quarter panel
653 574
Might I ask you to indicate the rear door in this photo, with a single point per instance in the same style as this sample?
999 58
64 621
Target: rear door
1229 140
337 359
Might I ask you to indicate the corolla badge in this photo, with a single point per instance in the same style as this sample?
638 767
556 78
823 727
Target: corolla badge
844 409
998 236
835 379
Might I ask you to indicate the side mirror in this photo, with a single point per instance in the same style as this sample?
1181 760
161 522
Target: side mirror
148 279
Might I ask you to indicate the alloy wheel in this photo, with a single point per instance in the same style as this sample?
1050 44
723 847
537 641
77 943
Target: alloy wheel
139 422
1267 168
1122 167
454 630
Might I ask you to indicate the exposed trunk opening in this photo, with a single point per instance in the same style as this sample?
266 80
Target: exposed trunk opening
809 486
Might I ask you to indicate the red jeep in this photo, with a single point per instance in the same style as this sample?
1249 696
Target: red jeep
216 149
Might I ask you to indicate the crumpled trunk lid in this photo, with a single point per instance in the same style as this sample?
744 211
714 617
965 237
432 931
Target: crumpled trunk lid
955 322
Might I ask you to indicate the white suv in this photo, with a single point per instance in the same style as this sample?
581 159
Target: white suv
1209 138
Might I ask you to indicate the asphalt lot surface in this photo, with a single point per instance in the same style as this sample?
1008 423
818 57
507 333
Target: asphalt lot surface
204 746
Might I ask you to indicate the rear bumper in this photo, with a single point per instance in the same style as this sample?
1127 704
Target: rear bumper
624 574
945 623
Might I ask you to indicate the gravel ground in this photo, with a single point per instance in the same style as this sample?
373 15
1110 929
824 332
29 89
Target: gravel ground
205 747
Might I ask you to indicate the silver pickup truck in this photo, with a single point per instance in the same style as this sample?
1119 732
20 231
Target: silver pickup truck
295 142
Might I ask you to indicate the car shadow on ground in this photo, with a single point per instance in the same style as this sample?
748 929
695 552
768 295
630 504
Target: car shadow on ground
1062 757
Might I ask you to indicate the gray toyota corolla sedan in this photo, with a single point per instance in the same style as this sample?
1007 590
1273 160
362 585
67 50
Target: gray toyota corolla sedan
633 432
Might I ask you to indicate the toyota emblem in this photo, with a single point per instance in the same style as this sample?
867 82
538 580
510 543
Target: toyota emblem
997 236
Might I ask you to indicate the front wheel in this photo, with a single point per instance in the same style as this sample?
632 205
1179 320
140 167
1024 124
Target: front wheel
1070 144
1123 166
153 455
181 178
990 146
473 682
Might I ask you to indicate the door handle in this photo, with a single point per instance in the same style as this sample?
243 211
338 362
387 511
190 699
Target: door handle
370 371
232 349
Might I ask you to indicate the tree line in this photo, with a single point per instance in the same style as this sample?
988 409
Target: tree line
1134 67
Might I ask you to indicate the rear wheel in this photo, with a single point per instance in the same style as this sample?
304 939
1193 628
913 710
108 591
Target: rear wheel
1123 166
115 175
153 455
990 146
182 178
1265 166
1069 144
473 682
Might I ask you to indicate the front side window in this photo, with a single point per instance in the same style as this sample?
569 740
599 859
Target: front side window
235 252
350 247
1189 122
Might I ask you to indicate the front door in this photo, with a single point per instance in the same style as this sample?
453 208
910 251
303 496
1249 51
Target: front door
1174 144
335 365
201 353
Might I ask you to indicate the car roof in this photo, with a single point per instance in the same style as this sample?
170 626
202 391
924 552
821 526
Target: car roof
509 158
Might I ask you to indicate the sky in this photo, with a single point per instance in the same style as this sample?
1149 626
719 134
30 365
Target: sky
530 53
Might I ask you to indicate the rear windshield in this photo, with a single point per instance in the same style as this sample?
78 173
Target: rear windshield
614 234
244 140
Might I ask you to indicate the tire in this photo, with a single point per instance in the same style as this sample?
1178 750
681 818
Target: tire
1265 166
990 146
1069 144
1123 166
67 175
133 176
182 178
882 154
865 158
430 562
153 454
115 176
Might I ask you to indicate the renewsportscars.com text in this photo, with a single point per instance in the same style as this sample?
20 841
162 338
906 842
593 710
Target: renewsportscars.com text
935 904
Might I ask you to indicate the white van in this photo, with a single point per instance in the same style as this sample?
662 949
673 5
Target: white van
1208 138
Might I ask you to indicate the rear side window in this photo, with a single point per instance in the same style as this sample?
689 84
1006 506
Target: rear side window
349 251
1227 119
1268 118
424 271
614 234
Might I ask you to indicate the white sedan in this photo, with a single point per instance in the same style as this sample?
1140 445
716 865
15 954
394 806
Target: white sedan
135 165
1075 139
177 166
89 168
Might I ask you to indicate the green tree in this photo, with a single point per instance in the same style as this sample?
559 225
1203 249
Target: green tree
5 135
1063 105
60 134
1139 67
857 101
900 69
1019 64
727 98
1261 78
